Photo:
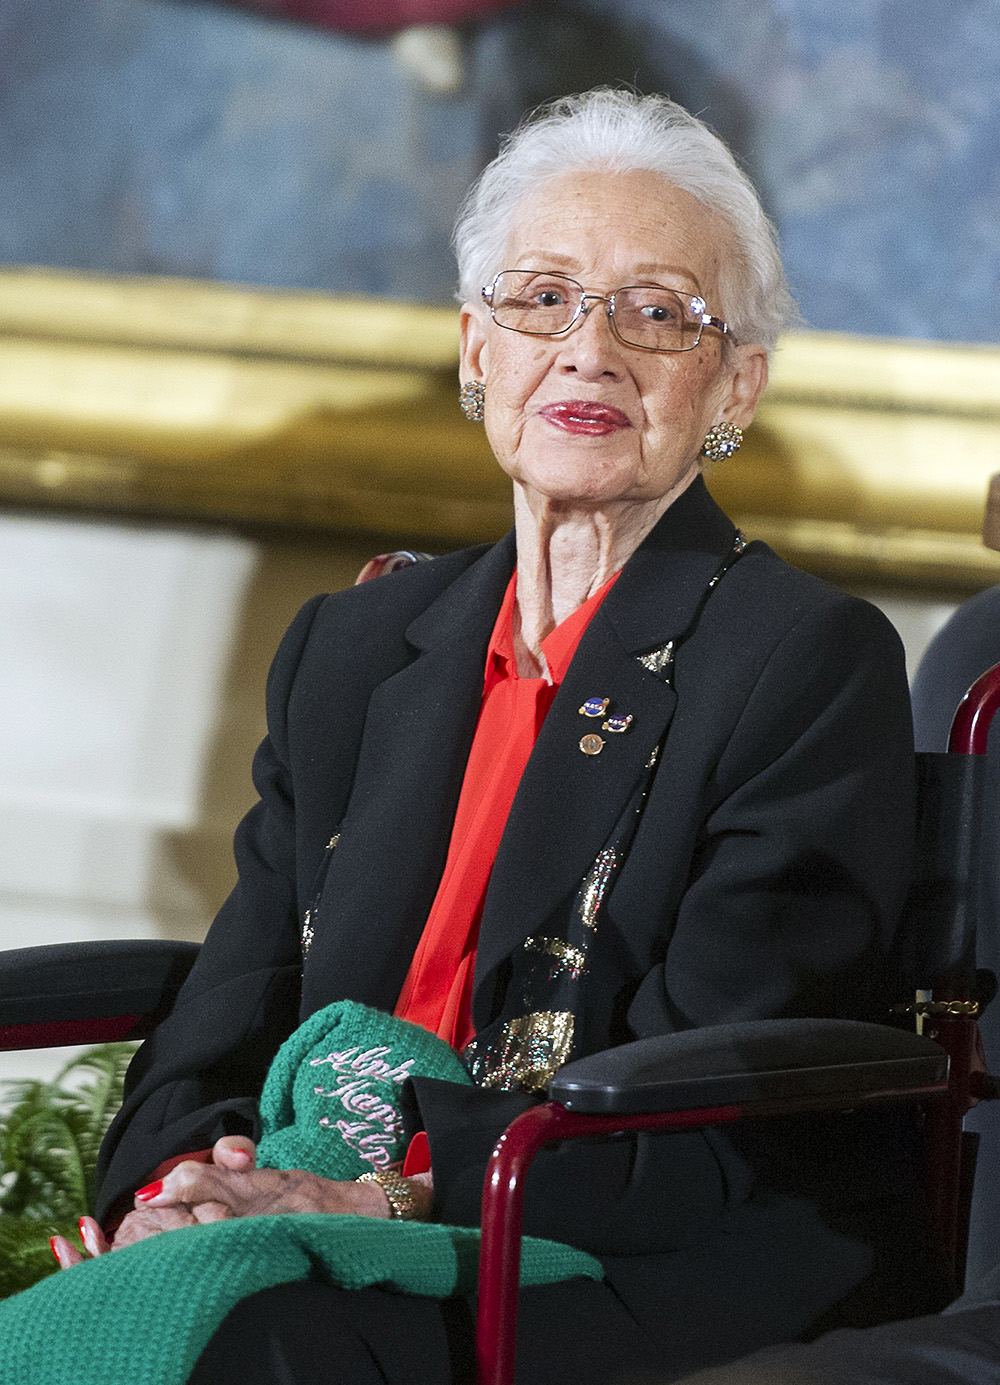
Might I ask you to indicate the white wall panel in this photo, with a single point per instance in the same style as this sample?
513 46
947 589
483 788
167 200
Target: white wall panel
114 641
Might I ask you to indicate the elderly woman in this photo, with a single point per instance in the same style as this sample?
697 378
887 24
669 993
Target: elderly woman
618 775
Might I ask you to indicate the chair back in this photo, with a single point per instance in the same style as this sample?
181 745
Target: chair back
958 880
943 908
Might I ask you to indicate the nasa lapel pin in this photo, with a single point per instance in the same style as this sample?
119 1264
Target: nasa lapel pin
592 745
616 725
595 706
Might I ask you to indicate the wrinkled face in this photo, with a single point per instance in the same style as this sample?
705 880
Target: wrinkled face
583 417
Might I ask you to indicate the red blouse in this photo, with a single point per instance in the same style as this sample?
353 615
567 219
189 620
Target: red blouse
437 992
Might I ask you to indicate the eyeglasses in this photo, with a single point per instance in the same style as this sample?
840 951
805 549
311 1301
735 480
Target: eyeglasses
648 316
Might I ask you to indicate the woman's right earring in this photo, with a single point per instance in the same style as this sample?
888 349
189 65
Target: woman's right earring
472 398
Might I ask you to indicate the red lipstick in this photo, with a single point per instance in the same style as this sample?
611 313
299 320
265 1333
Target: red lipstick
585 416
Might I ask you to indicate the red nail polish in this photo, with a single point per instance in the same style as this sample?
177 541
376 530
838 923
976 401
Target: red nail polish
151 1190
52 1247
86 1237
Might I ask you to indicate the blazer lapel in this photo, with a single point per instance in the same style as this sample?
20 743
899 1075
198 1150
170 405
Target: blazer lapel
394 841
569 802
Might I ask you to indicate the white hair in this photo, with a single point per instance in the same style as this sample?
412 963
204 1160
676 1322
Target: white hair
621 132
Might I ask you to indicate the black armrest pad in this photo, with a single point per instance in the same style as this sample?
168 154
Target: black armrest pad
76 981
729 1064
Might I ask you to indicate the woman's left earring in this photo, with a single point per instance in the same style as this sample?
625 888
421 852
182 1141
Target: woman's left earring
472 398
722 441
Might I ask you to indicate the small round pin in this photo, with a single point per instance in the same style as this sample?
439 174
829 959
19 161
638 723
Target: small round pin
595 706
592 745
616 725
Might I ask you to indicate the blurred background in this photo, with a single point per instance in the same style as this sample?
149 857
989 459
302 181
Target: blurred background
228 351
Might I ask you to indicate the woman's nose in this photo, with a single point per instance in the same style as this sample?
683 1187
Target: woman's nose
591 347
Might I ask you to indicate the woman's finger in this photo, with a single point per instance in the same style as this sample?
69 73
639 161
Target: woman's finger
226 1192
67 1255
93 1237
205 1212
235 1152
187 1182
146 1222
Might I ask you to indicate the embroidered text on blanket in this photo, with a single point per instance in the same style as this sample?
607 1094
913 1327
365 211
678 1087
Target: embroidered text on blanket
377 1126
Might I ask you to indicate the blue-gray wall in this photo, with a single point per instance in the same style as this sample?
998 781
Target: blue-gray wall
184 138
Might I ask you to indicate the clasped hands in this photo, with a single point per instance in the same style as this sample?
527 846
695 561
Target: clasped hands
231 1185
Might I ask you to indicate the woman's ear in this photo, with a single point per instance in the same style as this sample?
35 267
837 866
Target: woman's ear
473 358
746 384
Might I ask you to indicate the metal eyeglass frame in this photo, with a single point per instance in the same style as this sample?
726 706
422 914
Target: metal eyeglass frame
704 318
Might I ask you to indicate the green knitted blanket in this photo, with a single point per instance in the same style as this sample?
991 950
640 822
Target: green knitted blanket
142 1315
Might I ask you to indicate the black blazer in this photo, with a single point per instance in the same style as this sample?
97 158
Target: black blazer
762 867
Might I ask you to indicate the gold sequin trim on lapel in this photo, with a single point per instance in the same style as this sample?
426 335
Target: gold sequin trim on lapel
529 1052
659 660
308 931
595 886
568 960
739 544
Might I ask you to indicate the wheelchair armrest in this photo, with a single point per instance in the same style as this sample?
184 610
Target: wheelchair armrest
70 993
759 1060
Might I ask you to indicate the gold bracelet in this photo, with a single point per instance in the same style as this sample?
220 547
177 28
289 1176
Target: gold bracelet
398 1191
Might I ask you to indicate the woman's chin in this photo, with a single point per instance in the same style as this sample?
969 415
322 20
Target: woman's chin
582 479
583 499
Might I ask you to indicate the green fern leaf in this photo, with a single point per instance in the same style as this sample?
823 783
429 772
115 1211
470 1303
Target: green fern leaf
50 1133
25 1255
49 1180
96 1102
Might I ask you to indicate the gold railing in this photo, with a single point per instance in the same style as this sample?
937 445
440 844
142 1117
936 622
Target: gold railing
870 458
